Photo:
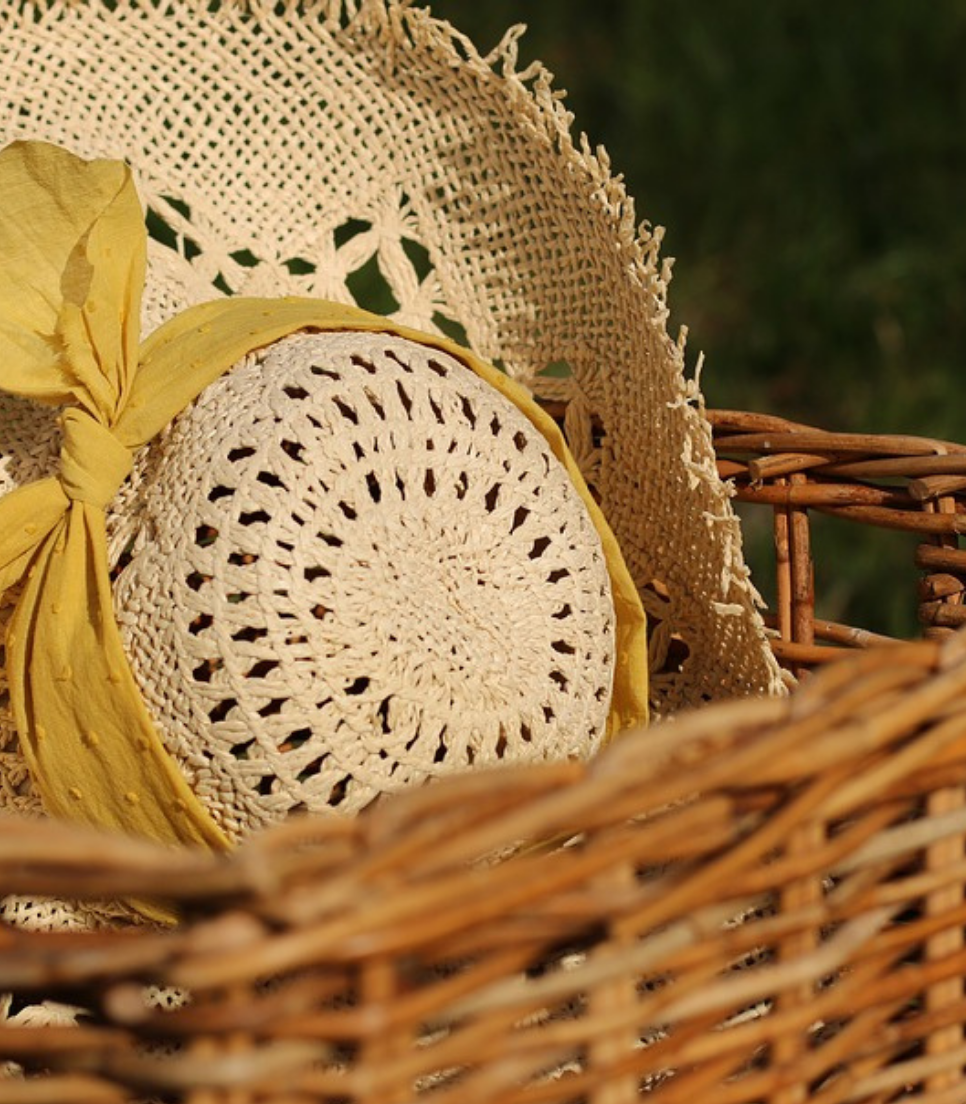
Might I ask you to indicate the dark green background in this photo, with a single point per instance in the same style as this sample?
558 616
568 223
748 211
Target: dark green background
808 160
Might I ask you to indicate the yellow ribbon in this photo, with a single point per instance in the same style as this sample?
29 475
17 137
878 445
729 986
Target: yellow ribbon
72 262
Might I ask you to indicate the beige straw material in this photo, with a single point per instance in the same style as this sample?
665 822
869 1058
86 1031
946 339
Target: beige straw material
364 151
358 567
299 150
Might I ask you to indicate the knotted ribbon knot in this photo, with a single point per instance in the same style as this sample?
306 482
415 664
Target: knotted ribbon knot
93 462
72 264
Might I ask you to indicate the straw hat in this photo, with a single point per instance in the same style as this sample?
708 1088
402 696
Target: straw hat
366 151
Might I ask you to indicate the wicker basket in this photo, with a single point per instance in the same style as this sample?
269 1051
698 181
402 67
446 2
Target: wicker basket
906 484
762 900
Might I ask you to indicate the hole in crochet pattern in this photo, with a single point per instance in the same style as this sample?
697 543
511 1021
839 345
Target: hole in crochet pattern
222 710
273 707
296 739
556 369
365 363
346 411
452 329
440 370
205 535
166 223
520 515
252 517
205 669
294 450
501 744
250 633
339 791
200 623
318 370
262 668
351 228
299 266
376 405
382 713
404 398
370 288
540 545
677 654
418 256
244 257
311 770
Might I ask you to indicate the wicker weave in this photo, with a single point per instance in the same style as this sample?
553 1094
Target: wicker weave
895 484
765 905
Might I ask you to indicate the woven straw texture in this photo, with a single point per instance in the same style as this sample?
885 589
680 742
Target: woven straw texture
316 149
360 567
364 151
765 907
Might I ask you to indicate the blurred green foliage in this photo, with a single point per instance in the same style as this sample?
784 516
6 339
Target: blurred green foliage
808 159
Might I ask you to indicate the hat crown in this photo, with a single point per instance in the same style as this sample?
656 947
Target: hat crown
359 567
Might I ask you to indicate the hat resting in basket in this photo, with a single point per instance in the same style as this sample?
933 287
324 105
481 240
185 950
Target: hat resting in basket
252 190
362 559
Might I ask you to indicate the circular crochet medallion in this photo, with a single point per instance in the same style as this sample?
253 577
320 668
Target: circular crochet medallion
360 566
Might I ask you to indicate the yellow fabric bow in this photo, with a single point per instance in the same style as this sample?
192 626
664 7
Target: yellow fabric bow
72 263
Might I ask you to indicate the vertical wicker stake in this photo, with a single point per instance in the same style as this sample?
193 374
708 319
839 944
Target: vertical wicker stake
947 852
379 984
783 568
792 1047
794 570
616 996
803 575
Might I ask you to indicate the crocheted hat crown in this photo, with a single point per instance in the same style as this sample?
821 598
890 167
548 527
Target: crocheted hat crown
360 567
